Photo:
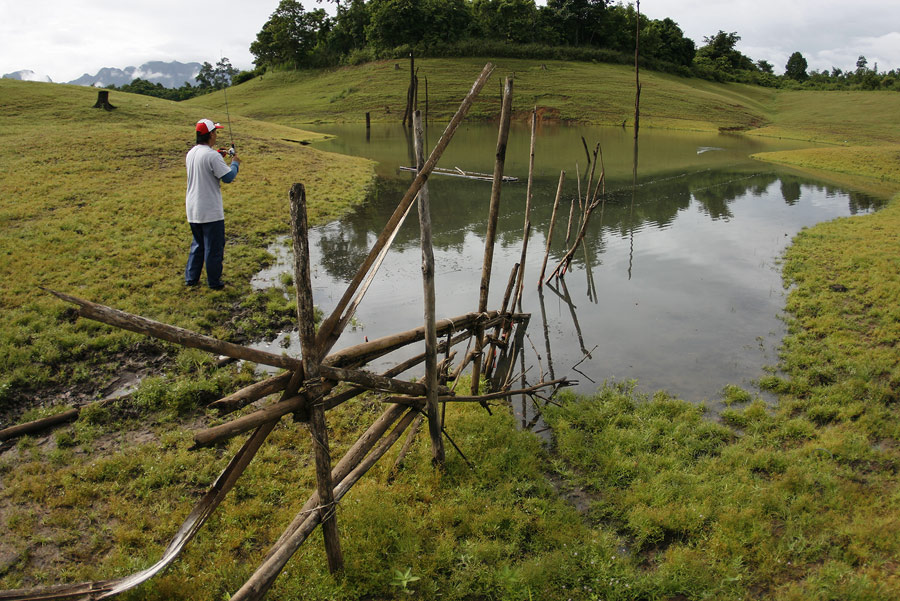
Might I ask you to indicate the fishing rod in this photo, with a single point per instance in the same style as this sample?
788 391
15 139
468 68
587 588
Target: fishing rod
230 151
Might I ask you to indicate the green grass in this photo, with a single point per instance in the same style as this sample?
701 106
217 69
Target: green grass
796 501
567 91
92 204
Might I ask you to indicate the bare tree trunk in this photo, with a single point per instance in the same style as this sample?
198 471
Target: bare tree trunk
103 101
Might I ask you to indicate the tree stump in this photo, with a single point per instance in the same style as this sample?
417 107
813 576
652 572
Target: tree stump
103 101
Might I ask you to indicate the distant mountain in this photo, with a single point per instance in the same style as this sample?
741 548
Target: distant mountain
27 75
170 75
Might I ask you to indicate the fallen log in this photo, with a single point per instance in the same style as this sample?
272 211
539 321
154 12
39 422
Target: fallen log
251 394
39 425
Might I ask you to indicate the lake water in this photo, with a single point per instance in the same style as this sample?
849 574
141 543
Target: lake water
678 284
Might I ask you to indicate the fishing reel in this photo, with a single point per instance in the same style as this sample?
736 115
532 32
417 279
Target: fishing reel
226 151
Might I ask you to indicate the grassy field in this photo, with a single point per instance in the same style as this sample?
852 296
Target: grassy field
92 202
796 501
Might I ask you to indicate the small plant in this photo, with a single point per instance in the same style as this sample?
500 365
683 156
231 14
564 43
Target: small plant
735 395
402 580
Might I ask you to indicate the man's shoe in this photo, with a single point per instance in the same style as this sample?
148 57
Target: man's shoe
218 286
191 284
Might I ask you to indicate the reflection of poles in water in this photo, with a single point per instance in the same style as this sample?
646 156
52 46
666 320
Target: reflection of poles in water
589 270
546 333
562 178
567 298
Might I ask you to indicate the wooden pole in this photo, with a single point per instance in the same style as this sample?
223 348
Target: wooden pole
313 384
493 216
299 403
572 208
637 79
250 394
526 230
431 374
562 178
38 425
328 332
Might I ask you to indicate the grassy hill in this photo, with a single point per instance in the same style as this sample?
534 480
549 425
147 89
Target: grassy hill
791 502
861 126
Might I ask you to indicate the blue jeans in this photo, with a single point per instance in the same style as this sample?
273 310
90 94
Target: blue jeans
207 246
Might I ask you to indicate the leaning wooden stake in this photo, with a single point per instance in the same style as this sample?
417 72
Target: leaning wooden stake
562 178
311 359
493 216
431 374
526 232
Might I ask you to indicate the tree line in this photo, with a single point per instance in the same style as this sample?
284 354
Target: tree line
590 30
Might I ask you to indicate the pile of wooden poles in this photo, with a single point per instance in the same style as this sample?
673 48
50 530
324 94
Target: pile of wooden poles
322 379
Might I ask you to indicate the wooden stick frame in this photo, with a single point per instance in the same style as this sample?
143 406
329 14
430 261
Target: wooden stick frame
305 385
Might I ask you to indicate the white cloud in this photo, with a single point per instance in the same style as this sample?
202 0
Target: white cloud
68 39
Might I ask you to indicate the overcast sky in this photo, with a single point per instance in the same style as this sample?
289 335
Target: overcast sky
65 39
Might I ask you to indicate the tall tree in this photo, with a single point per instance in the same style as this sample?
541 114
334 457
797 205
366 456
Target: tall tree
506 20
290 36
719 53
796 67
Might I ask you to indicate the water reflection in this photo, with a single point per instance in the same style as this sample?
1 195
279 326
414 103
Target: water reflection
680 287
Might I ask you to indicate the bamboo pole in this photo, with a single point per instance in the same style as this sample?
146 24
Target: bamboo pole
255 588
493 216
328 332
572 208
501 327
637 79
299 403
366 351
431 374
407 445
38 425
181 336
526 230
317 427
480 398
562 178
250 394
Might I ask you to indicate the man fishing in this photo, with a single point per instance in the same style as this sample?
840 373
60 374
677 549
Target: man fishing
206 168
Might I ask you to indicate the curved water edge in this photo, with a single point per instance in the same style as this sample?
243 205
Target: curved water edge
677 285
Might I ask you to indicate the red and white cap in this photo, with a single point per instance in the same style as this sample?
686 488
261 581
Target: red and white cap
204 126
